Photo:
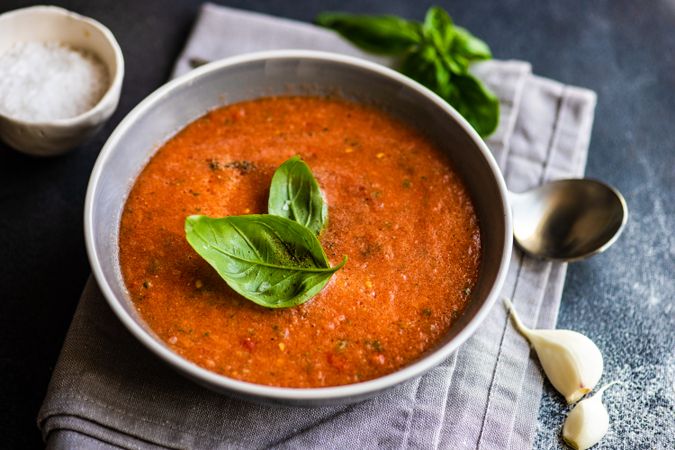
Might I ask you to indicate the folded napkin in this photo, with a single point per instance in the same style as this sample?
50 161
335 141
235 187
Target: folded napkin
108 391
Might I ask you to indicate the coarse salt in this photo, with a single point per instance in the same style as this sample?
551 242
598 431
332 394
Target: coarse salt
41 81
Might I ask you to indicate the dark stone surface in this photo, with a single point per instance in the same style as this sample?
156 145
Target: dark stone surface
623 299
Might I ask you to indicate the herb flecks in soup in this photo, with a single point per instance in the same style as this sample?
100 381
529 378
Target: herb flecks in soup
396 207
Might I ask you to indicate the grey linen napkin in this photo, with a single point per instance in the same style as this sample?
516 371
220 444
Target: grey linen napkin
108 391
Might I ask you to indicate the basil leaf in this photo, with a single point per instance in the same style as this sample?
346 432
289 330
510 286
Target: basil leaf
466 93
440 32
295 194
421 66
438 28
426 67
436 53
473 100
384 35
456 46
270 260
469 47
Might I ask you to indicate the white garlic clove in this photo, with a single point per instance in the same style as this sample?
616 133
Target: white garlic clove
571 361
587 423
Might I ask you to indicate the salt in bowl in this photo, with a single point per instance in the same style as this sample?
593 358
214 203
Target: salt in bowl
53 24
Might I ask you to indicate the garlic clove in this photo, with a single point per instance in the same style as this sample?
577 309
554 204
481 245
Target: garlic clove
587 423
571 361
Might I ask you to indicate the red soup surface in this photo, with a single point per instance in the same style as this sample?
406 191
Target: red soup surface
396 208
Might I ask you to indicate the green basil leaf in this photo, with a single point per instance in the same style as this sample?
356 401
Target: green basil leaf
466 93
438 27
456 46
468 47
455 63
443 76
473 100
428 69
272 261
439 32
295 194
421 67
436 53
384 35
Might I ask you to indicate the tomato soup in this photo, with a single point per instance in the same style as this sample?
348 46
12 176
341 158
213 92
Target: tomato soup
396 208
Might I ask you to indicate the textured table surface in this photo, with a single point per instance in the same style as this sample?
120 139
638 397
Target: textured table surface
623 299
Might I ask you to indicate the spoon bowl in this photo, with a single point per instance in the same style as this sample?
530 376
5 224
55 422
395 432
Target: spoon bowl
568 220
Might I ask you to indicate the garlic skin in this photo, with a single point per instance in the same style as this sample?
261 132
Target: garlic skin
587 423
571 361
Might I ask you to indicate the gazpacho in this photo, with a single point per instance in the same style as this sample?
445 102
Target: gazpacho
396 208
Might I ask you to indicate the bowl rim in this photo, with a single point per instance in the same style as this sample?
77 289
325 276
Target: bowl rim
111 94
223 382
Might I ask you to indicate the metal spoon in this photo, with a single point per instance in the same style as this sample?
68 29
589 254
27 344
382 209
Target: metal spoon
568 220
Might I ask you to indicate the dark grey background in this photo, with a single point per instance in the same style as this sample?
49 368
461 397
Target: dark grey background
623 299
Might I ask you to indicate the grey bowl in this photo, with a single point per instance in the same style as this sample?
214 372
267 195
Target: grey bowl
180 101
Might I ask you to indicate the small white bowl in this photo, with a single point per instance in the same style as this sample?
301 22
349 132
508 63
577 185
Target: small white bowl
53 24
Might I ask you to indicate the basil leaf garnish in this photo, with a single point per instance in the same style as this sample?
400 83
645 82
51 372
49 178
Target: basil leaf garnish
295 194
436 53
271 260
438 28
427 68
477 104
469 47
474 101
455 45
384 35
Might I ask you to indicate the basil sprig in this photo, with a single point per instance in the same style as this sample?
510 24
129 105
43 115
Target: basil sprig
276 259
435 53
295 194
